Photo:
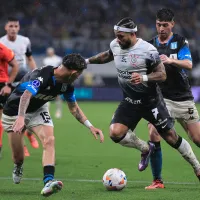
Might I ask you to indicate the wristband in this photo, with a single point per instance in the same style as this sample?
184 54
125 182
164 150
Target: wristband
87 123
144 78
87 61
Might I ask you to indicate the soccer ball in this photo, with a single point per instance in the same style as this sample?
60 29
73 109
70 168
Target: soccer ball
114 179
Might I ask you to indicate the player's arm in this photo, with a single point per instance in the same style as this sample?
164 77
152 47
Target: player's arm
23 105
80 116
101 58
184 58
30 60
15 68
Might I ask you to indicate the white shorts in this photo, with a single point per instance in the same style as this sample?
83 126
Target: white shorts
39 117
183 111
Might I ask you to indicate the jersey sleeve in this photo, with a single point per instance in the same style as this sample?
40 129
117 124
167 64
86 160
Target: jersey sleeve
28 48
184 52
6 54
36 81
153 59
69 95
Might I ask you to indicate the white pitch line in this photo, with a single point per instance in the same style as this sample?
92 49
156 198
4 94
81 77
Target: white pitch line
99 181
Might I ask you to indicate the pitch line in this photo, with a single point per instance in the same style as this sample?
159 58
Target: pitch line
99 181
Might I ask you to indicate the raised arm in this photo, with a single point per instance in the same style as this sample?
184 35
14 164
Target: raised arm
101 58
23 105
80 116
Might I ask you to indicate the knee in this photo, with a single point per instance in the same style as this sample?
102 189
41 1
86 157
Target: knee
48 142
116 134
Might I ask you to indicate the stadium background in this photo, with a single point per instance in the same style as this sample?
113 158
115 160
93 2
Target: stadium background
86 27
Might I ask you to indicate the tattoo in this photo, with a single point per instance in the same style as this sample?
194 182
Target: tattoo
24 102
102 58
76 112
158 74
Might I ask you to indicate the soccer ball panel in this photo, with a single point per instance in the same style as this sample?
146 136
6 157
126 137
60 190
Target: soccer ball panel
114 179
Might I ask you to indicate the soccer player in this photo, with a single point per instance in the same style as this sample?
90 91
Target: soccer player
139 69
175 54
7 57
21 46
26 108
54 60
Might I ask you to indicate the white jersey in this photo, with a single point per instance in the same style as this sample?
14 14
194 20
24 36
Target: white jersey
53 60
140 58
21 47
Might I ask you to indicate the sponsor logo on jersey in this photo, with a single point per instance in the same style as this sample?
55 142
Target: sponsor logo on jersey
173 45
137 101
40 79
36 83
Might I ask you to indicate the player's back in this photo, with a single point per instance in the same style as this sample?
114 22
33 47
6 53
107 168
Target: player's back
177 86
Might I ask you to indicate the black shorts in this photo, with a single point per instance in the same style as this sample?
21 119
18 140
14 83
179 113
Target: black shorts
154 111
2 98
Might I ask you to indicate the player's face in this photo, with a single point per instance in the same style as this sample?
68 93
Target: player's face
124 39
74 75
164 29
12 28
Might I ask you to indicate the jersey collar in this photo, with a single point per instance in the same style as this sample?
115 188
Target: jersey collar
158 43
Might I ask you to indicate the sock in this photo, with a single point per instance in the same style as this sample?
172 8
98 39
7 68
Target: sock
1 133
59 105
156 161
48 173
132 141
186 151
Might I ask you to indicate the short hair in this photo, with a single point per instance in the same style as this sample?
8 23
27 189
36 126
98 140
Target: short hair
127 23
12 19
165 14
74 61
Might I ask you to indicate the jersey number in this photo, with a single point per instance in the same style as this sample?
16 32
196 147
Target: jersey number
45 117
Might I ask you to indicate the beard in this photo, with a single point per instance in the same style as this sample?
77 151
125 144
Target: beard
125 45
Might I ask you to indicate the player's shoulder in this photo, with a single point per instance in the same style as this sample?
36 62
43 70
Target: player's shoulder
181 40
3 38
114 43
22 38
147 45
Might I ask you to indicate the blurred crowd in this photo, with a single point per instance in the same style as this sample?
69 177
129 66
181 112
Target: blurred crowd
86 26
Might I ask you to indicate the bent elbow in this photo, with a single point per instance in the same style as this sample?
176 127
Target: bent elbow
163 76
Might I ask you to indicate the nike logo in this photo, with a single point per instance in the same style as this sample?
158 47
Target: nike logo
164 126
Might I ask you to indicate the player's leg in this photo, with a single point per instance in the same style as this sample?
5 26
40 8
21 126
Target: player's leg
125 119
164 124
1 132
58 102
32 139
155 159
16 144
41 124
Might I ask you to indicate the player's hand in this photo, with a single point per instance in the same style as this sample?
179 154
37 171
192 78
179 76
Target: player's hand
6 90
136 78
18 125
165 59
95 132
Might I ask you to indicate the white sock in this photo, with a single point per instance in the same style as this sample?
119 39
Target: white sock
59 105
132 141
188 154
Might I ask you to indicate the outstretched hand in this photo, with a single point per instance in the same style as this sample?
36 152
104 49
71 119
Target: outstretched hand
95 132
18 126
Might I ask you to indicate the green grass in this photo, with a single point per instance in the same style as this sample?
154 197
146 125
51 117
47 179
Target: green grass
80 158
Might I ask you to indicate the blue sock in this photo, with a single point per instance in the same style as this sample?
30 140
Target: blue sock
156 162
48 173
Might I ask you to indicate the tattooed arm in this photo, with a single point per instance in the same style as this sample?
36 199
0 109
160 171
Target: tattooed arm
24 102
77 112
18 126
80 116
101 58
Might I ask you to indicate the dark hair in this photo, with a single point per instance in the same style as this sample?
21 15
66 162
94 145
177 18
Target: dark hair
165 14
127 23
74 61
12 19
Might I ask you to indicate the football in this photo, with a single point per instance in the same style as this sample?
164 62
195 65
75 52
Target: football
114 179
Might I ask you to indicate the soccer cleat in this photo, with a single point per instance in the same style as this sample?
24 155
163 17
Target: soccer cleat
156 184
58 114
26 152
145 157
51 187
17 173
33 141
